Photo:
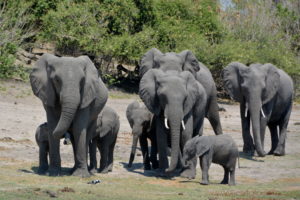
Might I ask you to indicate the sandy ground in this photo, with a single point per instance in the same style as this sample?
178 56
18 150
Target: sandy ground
21 112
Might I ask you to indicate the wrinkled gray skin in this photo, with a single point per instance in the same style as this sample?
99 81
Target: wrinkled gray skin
265 94
219 149
178 102
143 128
170 91
41 137
73 95
105 137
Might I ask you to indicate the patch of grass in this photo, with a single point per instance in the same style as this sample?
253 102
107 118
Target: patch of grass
17 184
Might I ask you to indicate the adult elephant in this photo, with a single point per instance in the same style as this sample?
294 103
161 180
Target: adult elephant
73 95
178 102
186 61
265 94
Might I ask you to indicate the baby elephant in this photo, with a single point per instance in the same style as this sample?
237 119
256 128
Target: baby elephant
41 137
219 149
140 120
105 138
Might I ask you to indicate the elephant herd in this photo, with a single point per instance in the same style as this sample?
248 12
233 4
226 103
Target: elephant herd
178 92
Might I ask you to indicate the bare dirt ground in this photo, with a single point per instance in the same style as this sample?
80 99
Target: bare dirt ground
21 112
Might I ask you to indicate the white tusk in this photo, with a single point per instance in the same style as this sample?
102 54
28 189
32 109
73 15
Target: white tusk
166 123
246 110
182 123
262 112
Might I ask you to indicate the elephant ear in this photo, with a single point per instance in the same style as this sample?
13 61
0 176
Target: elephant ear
192 90
203 145
272 82
40 81
190 62
231 78
147 90
148 61
92 84
129 111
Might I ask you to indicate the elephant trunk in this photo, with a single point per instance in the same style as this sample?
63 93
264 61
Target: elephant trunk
133 149
175 128
255 109
69 107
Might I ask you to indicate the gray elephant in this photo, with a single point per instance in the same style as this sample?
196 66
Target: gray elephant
170 89
72 95
178 102
105 137
219 149
41 137
186 61
143 128
265 94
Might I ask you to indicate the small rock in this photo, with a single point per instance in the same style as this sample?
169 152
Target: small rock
180 193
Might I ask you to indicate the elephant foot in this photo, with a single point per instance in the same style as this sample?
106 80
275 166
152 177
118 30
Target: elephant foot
155 164
271 152
83 173
204 182
263 154
231 183
42 170
54 171
279 151
188 173
224 182
249 151
93 170
147 166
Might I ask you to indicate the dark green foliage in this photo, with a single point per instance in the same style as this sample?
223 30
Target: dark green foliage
123 30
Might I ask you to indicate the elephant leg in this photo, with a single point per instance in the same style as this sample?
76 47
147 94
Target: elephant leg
274 138
226 175
111 156
54 153
153 154
190 171
205 164
144 148
104 149
162 143
93 156
280 149
43 157
213 115
80 134
232 177
74 153
248 141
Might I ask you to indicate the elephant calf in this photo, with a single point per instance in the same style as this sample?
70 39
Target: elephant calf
140 120
41 137
104 138
219 149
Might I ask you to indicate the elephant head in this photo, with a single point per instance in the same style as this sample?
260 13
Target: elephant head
172 94
184 61
255 86
66 83
195 147
140 120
